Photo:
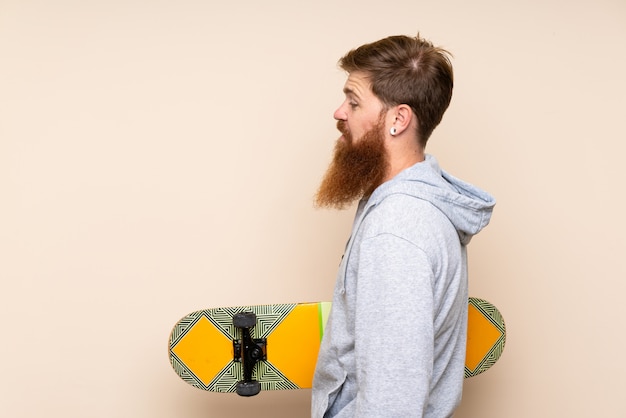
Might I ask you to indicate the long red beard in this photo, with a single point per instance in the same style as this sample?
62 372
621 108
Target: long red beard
356 170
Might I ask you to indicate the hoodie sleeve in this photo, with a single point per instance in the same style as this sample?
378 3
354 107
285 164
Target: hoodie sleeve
393 328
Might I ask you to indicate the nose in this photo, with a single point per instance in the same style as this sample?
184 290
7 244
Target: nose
340 113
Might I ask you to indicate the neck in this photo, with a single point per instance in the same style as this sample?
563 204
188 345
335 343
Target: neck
403 160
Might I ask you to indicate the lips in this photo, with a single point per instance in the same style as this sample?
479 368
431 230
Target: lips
345 134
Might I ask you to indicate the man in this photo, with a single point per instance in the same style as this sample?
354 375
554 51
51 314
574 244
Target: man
395 340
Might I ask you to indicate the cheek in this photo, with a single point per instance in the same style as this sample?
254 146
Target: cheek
361 130
358 129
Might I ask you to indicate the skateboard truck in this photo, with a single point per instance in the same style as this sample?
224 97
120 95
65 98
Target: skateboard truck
249 351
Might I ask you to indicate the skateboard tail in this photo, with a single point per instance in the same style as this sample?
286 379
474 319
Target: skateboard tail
486 336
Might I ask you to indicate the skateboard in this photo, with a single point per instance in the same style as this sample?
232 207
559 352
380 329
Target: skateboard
247 349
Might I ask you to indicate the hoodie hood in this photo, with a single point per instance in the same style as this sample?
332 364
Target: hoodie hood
467 207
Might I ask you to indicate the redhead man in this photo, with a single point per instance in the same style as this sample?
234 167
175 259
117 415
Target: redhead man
394 344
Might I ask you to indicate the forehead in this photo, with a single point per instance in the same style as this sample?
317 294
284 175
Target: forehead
358 85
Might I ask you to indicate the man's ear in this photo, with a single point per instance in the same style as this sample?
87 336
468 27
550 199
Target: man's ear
401 118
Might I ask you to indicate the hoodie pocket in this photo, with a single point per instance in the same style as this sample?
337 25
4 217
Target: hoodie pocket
334 393
326 393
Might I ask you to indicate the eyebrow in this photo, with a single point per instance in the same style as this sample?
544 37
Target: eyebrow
348 91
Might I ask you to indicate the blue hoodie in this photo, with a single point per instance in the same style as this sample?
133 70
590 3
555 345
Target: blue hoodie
394 344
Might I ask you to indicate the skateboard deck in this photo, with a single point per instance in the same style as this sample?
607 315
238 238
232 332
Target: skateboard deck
245 349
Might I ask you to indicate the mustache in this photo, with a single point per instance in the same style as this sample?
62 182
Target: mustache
342 127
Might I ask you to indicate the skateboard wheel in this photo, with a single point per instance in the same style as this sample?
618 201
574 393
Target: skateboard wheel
248 388
244 320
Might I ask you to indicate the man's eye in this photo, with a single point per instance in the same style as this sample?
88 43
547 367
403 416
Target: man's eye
353 105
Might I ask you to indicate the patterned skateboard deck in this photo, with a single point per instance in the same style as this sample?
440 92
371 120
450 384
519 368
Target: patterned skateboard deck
202 351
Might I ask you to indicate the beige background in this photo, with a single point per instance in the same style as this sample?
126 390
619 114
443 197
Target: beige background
158 157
